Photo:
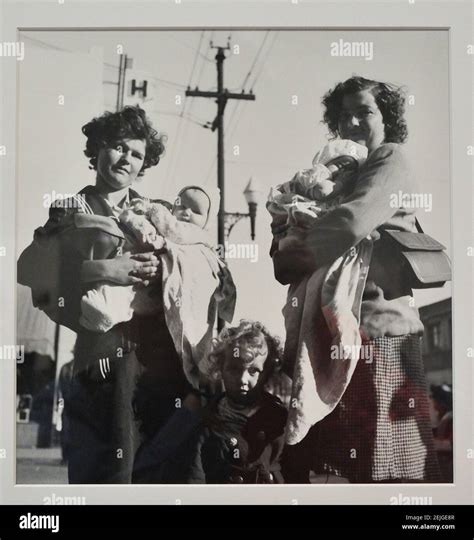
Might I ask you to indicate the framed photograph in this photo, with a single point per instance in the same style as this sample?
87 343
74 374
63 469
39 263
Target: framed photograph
236 249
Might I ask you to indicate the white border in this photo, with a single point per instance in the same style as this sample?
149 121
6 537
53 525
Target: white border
124 14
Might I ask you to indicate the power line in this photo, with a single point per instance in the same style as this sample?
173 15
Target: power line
158 79
196 57
172 165
194 120
173 160
190 47
262 65
257 76
106 64
244 82
206 53
249 74
48 45
169 83
255 59
237 104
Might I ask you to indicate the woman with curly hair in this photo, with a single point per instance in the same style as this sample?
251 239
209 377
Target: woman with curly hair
78 246
379 430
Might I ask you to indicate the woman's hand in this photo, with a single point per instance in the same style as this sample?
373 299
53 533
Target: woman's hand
127 269
146 267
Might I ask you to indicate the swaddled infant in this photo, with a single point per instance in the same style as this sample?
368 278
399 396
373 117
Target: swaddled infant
147 226
333 168
313 192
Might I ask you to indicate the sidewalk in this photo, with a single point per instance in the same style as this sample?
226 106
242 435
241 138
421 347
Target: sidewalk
44 466
40 466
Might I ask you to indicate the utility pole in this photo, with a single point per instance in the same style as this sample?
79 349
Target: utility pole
124 64
221 96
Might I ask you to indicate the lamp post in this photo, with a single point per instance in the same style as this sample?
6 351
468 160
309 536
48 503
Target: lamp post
252 194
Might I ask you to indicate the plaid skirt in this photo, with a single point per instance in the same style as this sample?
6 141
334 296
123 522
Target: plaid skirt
380 430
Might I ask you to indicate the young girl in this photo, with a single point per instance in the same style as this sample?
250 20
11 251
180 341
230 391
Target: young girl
238 436
243 438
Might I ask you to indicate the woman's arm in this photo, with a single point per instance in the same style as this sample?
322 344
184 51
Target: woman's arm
369 206
292 263
55 269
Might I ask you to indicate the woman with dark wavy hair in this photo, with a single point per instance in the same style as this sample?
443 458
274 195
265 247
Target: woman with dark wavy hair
380 429
78 246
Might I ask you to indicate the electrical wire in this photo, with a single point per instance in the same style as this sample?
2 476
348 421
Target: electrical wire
255 60
188 117
263 63
47 45
252 86
198 52
238 103
178 140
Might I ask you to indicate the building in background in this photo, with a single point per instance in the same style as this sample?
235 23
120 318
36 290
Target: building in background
437 341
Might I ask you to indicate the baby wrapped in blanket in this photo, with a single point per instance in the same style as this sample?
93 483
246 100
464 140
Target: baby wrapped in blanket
196 283
334 292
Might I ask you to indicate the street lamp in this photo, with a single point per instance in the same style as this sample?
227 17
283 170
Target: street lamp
252 194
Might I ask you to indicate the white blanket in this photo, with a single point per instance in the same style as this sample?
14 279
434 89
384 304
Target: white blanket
323 304
190 287
323 342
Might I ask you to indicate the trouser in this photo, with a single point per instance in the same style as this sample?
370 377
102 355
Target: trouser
104 433
167 457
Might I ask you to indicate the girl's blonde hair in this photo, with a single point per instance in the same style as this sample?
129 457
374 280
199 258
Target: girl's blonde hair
249 332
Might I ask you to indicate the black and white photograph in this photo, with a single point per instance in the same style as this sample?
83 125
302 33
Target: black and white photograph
234 257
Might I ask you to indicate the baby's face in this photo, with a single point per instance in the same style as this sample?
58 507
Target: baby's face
242 372
192 206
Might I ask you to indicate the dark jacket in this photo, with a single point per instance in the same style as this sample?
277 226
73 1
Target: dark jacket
239 449
205 448
78 230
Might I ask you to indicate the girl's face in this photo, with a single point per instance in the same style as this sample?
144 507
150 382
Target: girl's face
361 121
242 372
118 164
192 206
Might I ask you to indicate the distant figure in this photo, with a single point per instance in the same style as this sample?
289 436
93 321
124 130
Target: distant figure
64 393
442 398
41 412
